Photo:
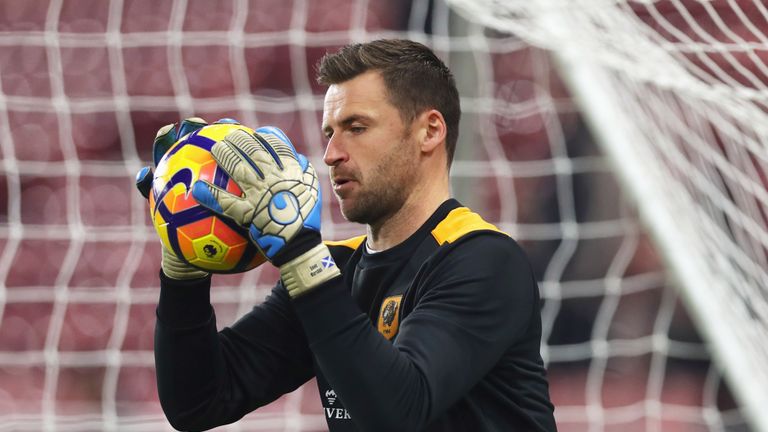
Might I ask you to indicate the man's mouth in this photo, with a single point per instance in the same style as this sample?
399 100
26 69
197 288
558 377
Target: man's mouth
342 184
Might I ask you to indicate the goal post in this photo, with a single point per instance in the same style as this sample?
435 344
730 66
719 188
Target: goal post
681 113
721 313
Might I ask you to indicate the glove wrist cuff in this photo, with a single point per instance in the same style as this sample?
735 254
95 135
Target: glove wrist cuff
309 270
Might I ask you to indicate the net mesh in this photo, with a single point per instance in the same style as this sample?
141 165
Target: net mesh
677 91
85 84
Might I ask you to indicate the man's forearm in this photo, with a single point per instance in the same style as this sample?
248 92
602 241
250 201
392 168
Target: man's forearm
208 378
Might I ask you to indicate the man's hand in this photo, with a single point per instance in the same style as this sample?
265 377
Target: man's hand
280 205
172 266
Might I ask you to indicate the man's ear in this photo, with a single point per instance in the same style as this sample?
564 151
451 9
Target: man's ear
435 131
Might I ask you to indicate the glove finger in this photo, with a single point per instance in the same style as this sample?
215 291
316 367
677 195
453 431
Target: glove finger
243 171
222 202
280 145
168 135
310 200
144 181
189 125
244 147
303 162
176 268
226 120
279 135
164 139
283 146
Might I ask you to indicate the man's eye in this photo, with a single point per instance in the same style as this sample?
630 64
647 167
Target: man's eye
357 129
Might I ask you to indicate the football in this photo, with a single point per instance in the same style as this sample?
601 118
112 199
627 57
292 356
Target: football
195 234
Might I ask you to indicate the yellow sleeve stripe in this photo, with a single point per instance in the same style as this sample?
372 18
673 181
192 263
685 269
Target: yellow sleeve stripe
352 243
460 222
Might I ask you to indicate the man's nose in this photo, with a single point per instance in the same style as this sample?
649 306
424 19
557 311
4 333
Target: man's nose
334 152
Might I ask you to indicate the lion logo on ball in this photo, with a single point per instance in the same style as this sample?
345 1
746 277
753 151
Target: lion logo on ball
210 250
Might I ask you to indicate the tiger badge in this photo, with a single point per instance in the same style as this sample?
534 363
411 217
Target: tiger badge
389 316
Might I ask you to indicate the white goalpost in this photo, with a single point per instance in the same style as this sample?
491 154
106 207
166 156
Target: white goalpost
674 94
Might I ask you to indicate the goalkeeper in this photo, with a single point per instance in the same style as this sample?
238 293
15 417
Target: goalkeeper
430 321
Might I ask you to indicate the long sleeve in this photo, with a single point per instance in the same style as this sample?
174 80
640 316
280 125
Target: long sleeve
476 301
207 378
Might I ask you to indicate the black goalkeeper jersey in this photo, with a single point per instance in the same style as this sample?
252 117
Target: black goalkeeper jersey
439 333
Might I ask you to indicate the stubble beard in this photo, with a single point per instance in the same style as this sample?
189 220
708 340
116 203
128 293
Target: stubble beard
386 189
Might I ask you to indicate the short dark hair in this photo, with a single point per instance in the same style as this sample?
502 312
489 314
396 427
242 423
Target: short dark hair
415 78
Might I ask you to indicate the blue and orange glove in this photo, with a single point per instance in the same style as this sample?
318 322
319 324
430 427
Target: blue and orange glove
172 266
280 205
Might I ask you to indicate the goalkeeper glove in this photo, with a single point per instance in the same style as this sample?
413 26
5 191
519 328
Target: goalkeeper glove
172 266
280 206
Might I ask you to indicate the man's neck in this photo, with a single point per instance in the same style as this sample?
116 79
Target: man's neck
406 221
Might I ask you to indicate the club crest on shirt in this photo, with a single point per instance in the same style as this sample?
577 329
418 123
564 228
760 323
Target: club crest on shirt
389 316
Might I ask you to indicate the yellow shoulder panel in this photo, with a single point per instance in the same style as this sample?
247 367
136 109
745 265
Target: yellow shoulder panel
460 222
352 243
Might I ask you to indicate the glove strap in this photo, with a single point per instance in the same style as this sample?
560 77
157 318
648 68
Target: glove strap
309 270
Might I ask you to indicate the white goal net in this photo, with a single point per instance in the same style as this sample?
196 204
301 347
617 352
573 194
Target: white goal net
678 87
677 93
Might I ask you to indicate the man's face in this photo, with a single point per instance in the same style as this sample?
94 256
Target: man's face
370 152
